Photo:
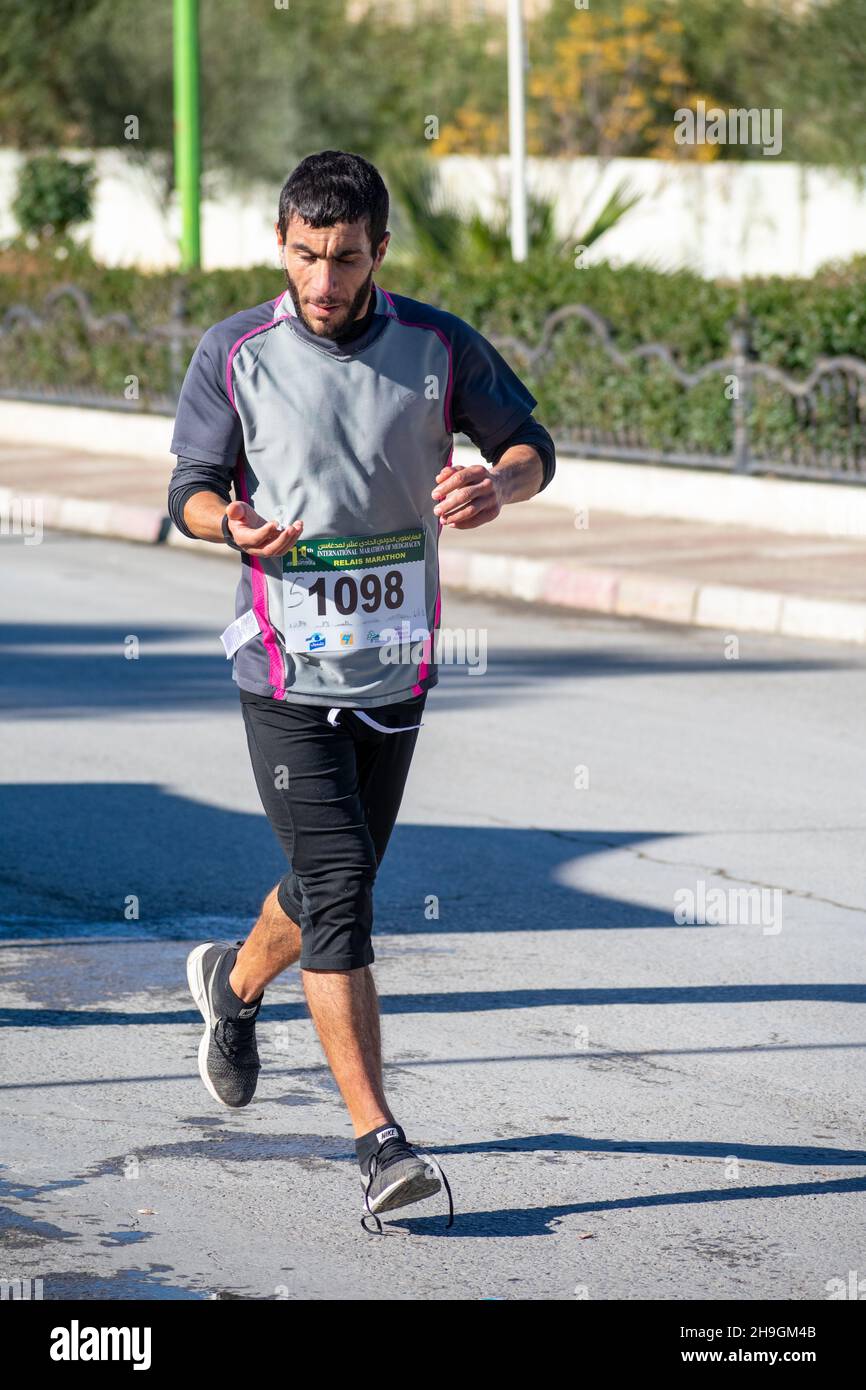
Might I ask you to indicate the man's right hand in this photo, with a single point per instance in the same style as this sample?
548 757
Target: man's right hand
256 536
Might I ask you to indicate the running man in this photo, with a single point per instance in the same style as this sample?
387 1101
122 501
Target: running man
330 413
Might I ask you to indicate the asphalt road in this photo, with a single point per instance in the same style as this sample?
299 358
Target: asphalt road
627 1105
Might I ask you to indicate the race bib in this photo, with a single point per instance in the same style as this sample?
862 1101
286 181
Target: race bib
345 593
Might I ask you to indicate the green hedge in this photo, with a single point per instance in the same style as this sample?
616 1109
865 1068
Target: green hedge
794 321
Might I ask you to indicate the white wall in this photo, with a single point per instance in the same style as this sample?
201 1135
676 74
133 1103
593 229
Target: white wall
133 225
756 217
725 219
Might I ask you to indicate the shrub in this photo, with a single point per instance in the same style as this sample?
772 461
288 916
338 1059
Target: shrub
53 194
579 390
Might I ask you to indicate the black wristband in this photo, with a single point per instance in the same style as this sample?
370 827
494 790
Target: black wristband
228 537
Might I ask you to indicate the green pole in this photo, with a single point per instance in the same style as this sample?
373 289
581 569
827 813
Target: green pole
187 147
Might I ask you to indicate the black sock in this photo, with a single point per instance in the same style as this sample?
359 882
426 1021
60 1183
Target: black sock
367 1145
230 1003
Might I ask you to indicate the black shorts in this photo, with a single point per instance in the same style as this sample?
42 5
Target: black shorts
331 786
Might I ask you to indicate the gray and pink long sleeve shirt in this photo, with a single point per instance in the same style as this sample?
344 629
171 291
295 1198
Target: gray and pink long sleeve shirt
347 436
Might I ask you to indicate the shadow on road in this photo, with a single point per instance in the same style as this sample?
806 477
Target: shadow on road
78 671
75 856
539 1221
458 1002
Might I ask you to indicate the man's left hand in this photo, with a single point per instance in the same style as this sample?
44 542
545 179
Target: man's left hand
467 497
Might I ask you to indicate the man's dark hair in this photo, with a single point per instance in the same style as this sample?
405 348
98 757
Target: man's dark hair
333 186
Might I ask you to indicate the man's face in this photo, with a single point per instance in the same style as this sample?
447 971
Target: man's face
329 271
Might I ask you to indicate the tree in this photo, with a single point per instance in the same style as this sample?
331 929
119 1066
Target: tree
38 52
609 84
822 90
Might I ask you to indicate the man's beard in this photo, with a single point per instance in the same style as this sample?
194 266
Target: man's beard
325 328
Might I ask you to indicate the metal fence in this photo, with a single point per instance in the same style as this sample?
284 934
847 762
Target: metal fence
21 324
814 427
822 419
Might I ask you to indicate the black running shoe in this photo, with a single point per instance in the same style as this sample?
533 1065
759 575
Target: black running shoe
396 1176
228 1058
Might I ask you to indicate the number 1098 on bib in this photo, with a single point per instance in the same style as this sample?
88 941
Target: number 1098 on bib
344 593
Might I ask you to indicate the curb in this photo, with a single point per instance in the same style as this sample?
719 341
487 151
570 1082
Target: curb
624 593
620 593
84 516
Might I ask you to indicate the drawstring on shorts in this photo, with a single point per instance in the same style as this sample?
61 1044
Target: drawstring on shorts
334 715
